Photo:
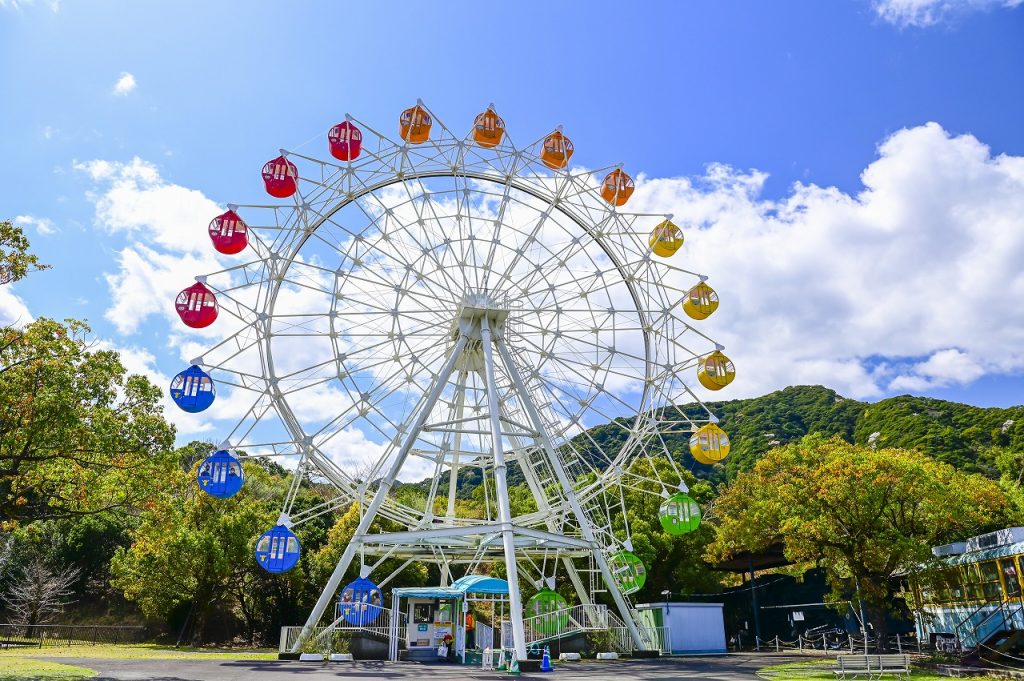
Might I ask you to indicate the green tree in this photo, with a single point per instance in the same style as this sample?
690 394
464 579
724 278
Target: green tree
77 434
15 260
672 561
192 552
861 513
338 537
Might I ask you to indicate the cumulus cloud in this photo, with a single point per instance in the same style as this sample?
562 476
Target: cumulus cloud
43 226
13 310
911 283
924 13
125 83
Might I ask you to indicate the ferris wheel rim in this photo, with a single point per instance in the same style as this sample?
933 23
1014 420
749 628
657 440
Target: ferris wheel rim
511 180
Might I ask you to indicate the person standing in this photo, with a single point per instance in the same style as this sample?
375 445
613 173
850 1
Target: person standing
470 631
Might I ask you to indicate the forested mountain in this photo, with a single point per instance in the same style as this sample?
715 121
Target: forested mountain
966 437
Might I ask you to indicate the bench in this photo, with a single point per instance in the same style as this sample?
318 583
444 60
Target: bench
872 666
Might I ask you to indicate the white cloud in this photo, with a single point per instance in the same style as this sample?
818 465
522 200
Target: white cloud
17 5
924 13
43 226
125 84
912 283
49 132
943 368
13 310
817 286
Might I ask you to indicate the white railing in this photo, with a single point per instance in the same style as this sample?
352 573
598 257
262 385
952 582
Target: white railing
321 637
558 623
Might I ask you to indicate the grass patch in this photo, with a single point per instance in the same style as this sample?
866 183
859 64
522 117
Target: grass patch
822 671
141 651
22 669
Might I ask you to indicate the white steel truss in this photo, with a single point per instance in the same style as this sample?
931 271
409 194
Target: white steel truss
448 309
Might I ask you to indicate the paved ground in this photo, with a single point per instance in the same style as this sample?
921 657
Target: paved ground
736 667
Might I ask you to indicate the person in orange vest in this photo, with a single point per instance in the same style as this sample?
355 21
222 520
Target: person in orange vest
470 631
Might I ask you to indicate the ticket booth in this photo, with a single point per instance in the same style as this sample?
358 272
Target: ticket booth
429 619
431 613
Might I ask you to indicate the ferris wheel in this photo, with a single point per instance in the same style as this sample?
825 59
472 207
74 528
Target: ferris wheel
443 305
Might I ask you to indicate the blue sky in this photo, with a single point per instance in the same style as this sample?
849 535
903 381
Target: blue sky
780 129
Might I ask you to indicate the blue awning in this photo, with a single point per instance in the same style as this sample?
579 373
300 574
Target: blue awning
470 584
481 584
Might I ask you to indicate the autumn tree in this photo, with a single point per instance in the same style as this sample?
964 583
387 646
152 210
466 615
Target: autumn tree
78 435
15 260
862 514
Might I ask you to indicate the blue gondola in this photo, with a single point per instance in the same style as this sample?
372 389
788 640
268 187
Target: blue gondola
360 602
220 475
193 390
278 550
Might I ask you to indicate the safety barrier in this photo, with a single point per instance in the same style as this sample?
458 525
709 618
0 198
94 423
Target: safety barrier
834 644
54 635
382 627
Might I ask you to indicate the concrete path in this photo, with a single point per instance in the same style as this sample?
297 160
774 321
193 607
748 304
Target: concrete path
736 667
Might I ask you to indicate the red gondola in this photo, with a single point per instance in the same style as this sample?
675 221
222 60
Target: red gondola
197 306
229 233
346 141
281 177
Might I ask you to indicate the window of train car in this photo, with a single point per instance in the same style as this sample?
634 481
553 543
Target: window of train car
991 587
1011 577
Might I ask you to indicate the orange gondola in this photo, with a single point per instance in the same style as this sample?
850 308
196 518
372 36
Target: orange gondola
488 129
557 150
414 125
617 188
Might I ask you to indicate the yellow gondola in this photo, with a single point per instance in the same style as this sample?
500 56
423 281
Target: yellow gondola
709 444
666 239
700 302
716 371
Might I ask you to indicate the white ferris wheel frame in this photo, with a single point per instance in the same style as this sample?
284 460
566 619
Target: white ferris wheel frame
575 500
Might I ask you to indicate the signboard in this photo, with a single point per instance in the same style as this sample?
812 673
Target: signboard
421 627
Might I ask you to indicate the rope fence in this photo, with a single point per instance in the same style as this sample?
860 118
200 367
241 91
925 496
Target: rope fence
833 644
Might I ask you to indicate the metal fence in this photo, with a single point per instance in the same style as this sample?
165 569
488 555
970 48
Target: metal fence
60 635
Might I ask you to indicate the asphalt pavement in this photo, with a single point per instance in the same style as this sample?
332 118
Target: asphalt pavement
734 667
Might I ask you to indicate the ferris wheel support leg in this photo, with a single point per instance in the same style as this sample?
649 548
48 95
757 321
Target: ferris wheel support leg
334 582
501 491
585 529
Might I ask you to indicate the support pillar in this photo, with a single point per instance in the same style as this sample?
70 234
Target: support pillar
378 498
501 491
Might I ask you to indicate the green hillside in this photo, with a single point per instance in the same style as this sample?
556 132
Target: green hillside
964 436
959 434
